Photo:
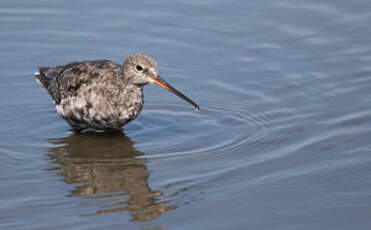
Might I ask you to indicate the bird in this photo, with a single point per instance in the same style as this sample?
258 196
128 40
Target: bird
101 94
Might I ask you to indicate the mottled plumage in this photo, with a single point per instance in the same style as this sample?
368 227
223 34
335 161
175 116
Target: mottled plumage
101 94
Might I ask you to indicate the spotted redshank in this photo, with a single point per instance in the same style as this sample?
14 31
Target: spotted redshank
102 94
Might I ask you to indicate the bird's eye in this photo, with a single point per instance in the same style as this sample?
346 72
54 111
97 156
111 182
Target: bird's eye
139 67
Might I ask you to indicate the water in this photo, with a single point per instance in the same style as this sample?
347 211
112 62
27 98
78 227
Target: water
281 142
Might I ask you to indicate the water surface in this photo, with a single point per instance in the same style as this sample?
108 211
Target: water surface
281 141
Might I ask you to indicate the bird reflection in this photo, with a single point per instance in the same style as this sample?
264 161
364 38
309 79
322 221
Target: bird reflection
104 166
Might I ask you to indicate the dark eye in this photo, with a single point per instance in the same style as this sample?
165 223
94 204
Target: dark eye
139 67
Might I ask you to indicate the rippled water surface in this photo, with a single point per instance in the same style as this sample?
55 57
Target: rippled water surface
282 140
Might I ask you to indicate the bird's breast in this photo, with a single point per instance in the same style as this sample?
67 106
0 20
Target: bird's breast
102 107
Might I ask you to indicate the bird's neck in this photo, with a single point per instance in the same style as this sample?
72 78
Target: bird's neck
131 94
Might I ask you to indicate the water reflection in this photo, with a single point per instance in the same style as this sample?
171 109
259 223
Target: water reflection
104 166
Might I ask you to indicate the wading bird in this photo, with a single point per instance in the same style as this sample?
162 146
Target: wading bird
102 94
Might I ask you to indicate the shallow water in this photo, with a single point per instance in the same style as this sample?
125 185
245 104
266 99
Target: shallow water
281 141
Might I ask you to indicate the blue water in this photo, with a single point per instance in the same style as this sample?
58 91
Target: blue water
281 141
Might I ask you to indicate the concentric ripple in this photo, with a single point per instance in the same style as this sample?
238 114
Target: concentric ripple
174 130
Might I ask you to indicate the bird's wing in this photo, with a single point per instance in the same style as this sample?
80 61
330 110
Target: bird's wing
68 79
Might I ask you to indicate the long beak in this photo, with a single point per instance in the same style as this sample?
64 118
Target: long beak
161 82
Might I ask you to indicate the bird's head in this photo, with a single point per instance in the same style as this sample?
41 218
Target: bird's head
141 69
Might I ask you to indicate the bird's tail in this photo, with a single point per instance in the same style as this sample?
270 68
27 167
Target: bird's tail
41 79
46 75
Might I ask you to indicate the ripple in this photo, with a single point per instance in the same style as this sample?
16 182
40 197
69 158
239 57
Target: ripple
174 130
